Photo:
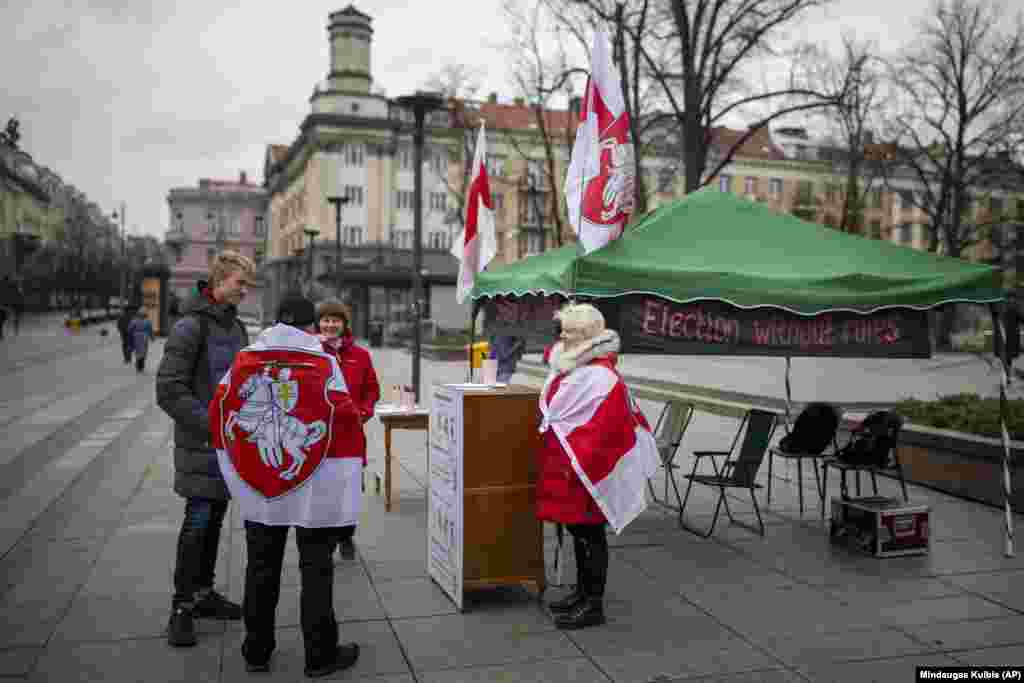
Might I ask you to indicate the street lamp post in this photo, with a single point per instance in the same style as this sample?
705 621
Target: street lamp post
420 103
124 258
338 203
311 233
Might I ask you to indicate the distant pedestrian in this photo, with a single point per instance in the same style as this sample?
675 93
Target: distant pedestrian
335 320
199 350
122 329
284 425
140 331
507 350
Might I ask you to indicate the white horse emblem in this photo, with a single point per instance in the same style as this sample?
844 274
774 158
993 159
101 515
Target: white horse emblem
265 415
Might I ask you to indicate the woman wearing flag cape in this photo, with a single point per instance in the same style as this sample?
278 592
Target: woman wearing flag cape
597 452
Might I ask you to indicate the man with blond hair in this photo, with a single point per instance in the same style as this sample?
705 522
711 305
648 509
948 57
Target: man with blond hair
199 350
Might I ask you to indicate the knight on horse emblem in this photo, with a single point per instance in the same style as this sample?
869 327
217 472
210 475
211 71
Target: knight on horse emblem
284 417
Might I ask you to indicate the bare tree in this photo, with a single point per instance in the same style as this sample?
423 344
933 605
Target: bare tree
961 96
713 45
857 73
456 80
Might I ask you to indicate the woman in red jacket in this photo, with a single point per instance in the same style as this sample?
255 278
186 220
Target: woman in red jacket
596 452
334 320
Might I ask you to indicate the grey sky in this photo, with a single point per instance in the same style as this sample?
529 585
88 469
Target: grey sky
128 102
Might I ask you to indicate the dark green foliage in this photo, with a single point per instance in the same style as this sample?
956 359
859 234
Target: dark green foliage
966 413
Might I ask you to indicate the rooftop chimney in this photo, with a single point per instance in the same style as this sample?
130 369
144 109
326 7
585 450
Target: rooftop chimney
241 178
493 98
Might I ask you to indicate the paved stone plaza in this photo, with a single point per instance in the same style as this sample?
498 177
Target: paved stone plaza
89 524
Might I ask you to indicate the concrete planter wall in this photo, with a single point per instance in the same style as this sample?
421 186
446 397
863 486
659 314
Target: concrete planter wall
961 464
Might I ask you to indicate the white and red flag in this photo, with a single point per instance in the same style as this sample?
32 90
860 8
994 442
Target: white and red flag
606 438
281 419
599 185
476 244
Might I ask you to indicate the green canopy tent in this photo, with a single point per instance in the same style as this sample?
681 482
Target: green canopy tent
714 273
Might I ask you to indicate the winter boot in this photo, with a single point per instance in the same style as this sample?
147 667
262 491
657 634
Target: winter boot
181 628
572 600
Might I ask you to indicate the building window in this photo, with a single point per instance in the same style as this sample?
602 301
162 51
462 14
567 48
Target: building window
260 228
437 161
405 155
534 243
355 107
725 183
438 201
210 254
875 201
496 167
403 239
905 233
354 194
666 178
211 222
352 154
404 199
498 199
438 240
259 256
750 185
876 229
775 187
352 234
234 227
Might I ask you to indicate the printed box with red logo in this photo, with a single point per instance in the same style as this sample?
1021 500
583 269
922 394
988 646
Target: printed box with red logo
882 527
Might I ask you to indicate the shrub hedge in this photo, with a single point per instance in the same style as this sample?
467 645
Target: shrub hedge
968 413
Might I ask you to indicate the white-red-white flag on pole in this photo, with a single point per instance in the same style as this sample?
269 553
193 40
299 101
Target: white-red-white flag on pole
476 244
599 185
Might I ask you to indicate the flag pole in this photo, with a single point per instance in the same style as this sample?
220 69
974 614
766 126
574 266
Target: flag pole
472 337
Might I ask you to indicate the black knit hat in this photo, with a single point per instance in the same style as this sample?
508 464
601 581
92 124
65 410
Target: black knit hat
297 311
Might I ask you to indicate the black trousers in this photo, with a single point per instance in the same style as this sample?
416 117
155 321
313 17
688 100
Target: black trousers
126 348
197 547
265 546
590 543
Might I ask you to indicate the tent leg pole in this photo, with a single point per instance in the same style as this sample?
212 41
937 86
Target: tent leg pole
472 340
1004 362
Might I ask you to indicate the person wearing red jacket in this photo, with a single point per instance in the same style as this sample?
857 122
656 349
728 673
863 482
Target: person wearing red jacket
334 319
596 453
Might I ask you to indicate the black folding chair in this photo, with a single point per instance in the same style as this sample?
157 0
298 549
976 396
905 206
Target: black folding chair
872 448
668 434
813 432
739 472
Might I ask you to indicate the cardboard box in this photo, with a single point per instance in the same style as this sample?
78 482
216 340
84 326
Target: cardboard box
882 527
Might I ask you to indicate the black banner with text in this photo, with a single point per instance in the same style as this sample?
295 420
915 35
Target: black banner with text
652 325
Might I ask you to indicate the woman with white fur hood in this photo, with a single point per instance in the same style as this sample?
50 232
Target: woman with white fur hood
596 454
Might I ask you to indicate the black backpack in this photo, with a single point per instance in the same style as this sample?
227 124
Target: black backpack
872 445
814 429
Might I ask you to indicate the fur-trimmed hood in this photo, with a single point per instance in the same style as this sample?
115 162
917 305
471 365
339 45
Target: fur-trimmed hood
604 344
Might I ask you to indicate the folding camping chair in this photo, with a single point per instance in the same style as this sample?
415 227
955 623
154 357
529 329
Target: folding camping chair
739 472
668 434
872 448
815 430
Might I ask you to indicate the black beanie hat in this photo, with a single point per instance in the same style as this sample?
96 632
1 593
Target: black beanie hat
297 311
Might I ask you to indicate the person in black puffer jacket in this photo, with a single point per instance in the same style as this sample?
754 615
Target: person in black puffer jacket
199 350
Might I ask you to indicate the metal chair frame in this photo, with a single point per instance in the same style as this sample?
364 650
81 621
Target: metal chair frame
675 422
728 475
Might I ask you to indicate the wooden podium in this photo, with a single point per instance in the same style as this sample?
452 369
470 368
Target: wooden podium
483 529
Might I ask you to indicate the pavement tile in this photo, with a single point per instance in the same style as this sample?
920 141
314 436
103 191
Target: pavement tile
966 635
576 670
115 618
480 639
659 661
878 670
762 676
1011 581
18 661
379 655
1012 655
414 598
954 608
144 661
817 649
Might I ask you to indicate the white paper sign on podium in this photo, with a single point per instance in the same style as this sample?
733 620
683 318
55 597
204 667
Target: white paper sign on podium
444 493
